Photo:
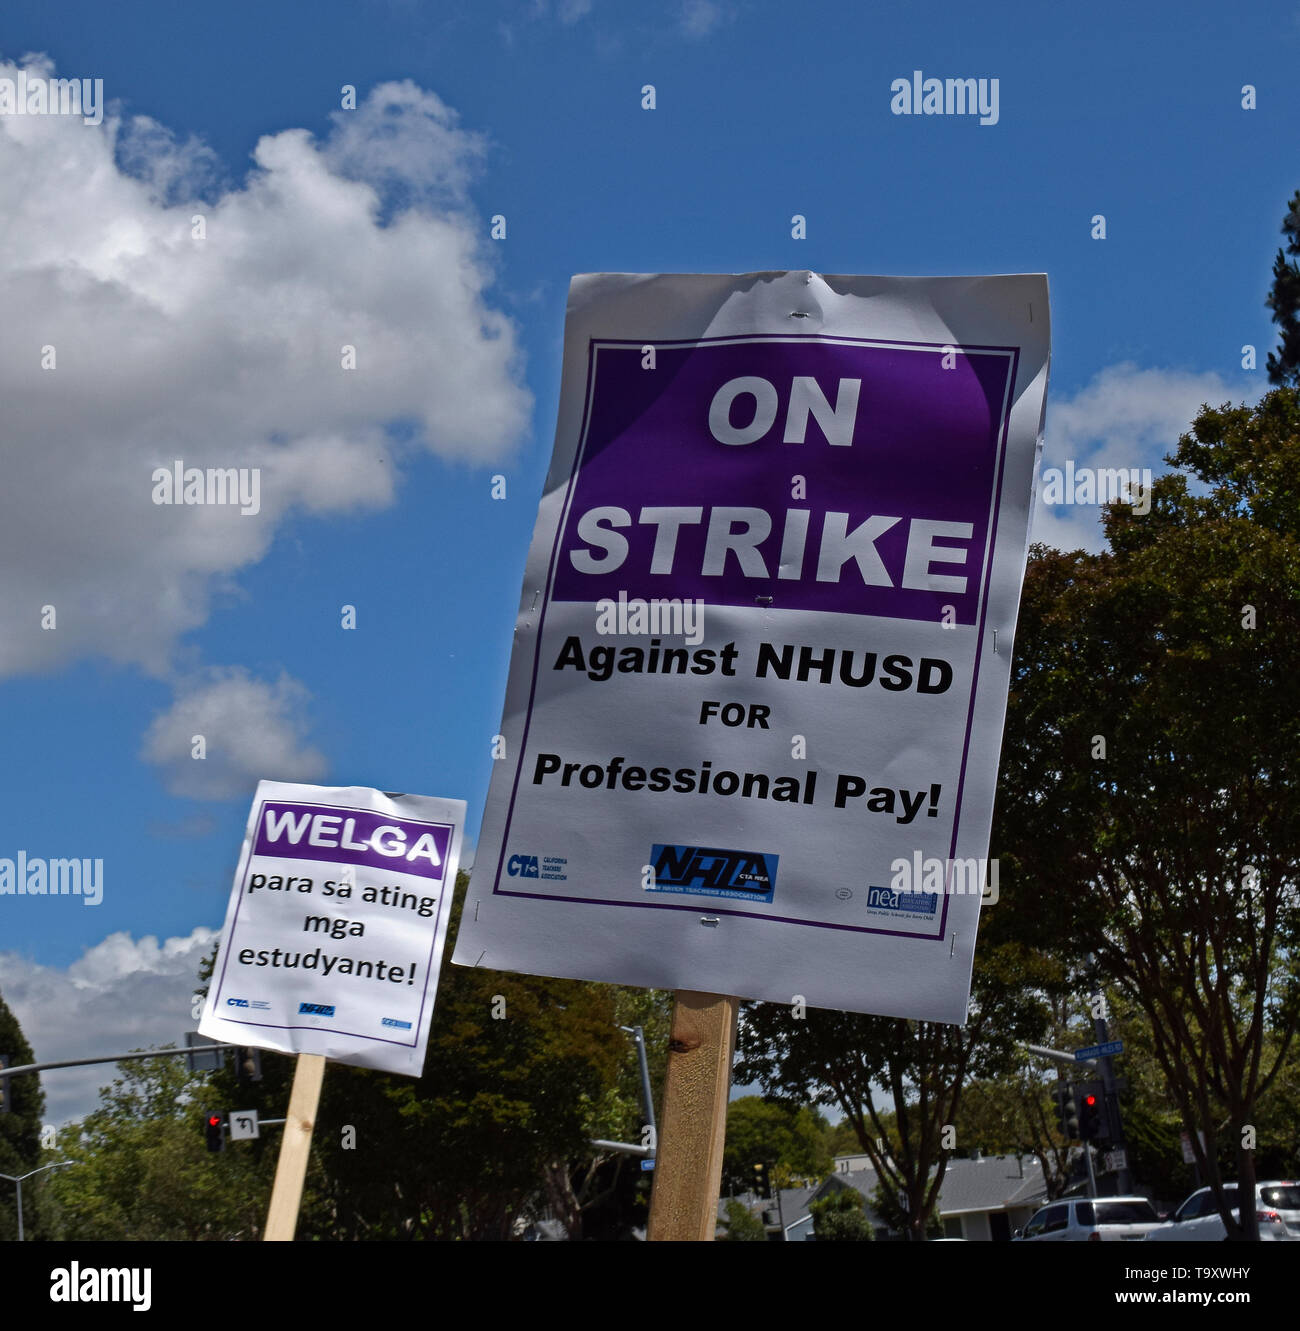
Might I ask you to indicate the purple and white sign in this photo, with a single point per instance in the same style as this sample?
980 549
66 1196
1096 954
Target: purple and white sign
767 621
336 925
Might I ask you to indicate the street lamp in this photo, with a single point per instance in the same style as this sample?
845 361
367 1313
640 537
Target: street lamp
647 1097
58 1164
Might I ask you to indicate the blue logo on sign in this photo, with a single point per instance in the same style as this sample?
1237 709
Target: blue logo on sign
392 1021
522 866
905 903
317 1009
746 875
236 1002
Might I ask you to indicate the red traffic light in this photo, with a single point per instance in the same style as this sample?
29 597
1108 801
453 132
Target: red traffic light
214 1120
1090 1100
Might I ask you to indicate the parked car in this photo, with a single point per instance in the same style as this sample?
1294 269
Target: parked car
1090 1220
1198 1218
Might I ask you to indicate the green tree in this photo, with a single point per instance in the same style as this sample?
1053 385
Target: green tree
1016 1114
841 1139
874 1066
605 1194
142 1168
743 1226
887 1208
1284 301
790 1140
840 1217
522 1073
20 1134
1171 849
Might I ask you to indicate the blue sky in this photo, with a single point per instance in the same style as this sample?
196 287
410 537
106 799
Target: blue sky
225 351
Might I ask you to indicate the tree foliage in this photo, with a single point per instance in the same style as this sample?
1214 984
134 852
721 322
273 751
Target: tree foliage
522 1072
742 1225
790 1140
20 1134
840 1217
1284 301
142 1170
849 1059
1174 858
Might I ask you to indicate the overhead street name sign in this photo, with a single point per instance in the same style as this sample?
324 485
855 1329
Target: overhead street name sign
1099 1050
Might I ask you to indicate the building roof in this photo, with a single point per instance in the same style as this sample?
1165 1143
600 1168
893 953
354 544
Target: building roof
993 1183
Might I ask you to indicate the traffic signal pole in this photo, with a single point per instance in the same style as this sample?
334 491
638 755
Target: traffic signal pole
1092 1173
1106 1063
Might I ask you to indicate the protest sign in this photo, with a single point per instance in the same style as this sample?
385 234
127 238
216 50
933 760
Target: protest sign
759 677
336 924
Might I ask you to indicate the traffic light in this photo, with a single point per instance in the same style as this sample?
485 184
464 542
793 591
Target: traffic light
1069 1114
1093 1120
248 1065
761 1188
214 1126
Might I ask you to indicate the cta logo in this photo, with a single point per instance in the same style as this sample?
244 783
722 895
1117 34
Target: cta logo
392 1021
523 866
317 1009
236 1002
745 875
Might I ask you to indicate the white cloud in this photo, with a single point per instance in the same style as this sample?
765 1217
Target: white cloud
570 11
119 995
1125 417
250 729
224 352
701 17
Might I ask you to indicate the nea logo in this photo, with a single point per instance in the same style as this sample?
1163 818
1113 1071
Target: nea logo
714 872
522 866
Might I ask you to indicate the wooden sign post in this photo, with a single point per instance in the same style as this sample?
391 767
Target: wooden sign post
295 1147
688 1164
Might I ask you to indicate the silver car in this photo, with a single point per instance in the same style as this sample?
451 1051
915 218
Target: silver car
1091 1220
1198 1218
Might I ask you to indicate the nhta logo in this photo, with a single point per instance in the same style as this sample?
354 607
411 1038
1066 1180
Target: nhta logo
707 871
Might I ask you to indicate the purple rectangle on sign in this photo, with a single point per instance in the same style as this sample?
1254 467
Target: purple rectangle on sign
352 836
824 474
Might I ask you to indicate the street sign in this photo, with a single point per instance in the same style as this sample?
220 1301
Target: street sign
760 666
336 923
243 1125
647 1166
1099 1050
1189 1153
1116 1160
201 1060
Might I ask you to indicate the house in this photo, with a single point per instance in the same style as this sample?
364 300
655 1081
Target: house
983 1198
